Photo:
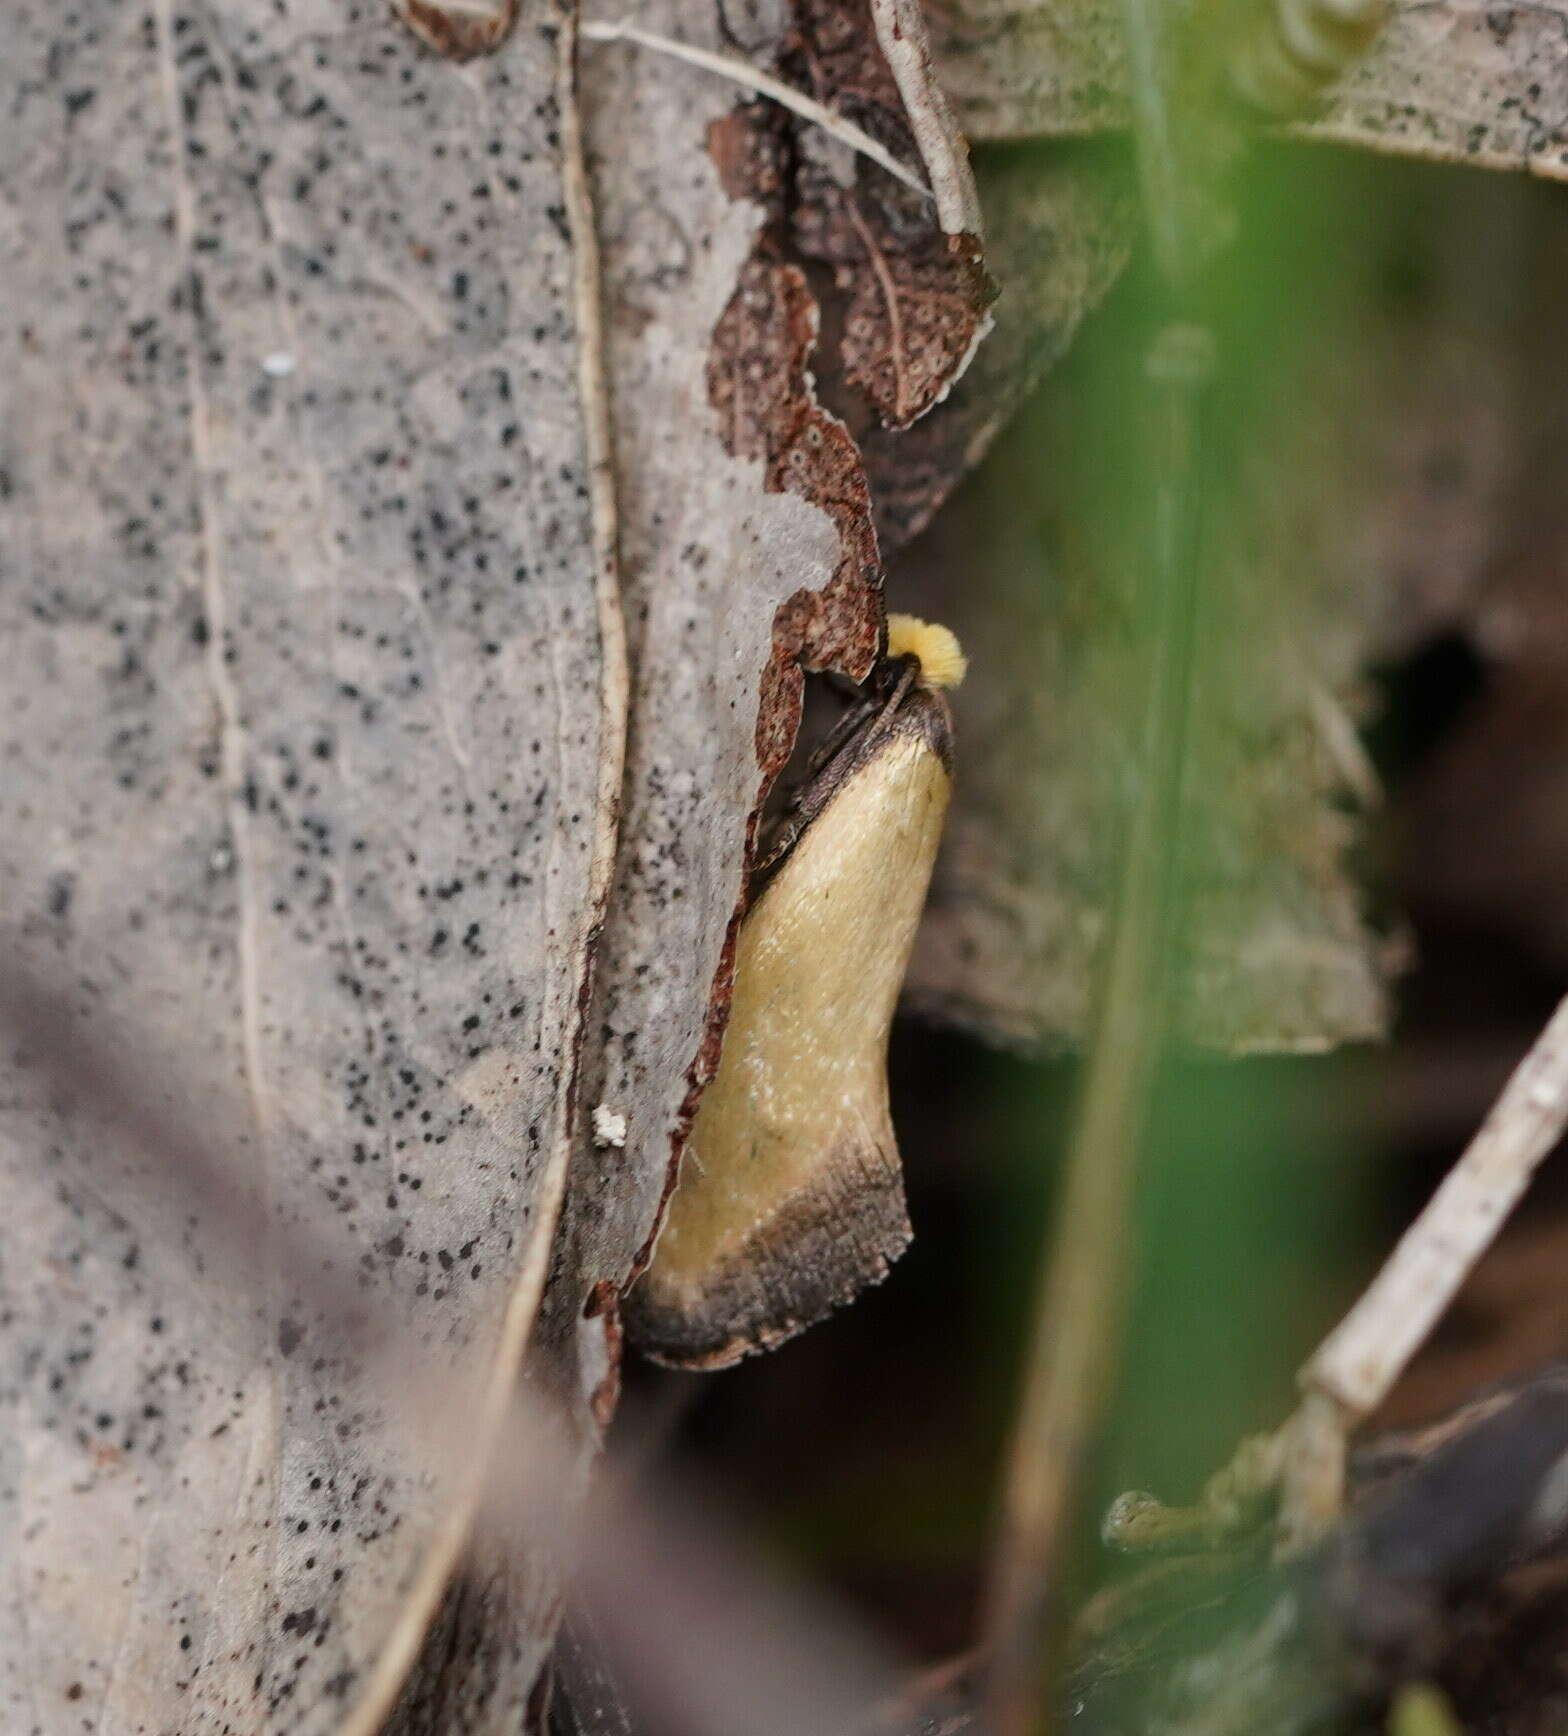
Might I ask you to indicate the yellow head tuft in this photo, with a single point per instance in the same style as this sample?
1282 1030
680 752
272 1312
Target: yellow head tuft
936 649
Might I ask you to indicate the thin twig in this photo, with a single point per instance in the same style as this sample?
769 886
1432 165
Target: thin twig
902 37
1355 1367
594 391
760 84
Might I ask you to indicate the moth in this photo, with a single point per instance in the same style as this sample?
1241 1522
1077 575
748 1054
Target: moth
790 1197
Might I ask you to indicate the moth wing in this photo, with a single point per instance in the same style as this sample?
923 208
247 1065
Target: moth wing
790 1198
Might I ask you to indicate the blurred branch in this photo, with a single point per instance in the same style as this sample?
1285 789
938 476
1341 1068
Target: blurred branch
1079 1313
654 1566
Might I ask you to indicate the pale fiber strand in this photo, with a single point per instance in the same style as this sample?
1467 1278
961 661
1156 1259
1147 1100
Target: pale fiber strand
760 84
1361 1359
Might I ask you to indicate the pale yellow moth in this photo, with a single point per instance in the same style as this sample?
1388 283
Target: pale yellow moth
790 1197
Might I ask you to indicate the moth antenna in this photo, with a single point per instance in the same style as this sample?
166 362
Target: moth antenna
907 677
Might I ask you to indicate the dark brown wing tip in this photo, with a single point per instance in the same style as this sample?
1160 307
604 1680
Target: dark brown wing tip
926 713
836 1242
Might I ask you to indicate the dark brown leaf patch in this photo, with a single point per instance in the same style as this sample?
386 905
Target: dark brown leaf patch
749 149
758 383
915 296
1057 236
459 32
604 1305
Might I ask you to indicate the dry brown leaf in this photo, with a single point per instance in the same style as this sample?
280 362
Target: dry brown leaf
307 760
1462 82
916 291
1355 529
1419 476
1455 80
303 741
1017 69
1059 231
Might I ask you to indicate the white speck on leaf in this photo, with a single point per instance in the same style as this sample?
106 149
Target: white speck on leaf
609 1129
